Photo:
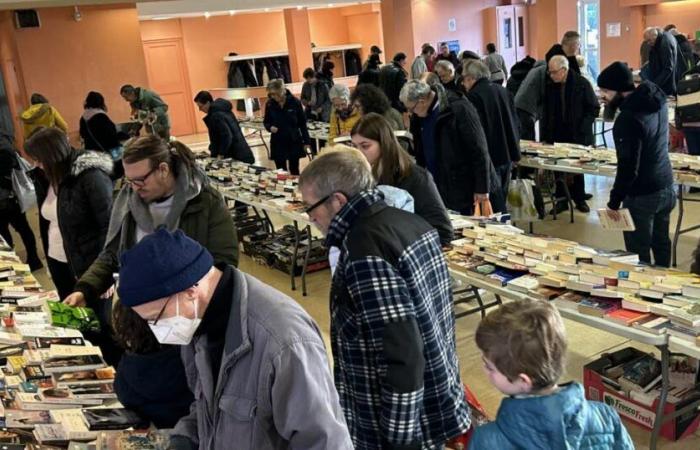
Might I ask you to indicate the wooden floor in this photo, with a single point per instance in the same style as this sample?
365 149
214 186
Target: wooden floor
585 343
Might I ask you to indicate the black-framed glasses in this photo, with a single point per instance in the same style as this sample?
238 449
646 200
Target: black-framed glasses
142 180
160 314
308 209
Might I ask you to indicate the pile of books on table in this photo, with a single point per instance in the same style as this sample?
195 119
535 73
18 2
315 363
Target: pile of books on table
55 387
686 168
611 285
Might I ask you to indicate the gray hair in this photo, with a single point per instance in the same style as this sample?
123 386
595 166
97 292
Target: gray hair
475 70
413 91
276 86
652 30
445 65
339 91
559 61
339 169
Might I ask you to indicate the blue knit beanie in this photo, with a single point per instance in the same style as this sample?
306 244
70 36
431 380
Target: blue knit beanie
162 264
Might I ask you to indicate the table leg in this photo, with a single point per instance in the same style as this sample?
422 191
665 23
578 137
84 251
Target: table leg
262 138
307 232
659 420
297 239
677 234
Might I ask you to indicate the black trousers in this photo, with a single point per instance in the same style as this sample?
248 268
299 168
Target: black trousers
62 277
577 187
291 165
11 214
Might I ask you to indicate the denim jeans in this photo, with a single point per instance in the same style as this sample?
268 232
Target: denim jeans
651 215
692 138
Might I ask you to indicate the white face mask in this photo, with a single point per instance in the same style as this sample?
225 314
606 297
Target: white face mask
176 330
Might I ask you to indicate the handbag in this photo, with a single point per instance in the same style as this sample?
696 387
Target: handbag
23 186
521 200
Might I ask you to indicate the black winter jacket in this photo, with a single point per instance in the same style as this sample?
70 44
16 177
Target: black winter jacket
84 207
497 114
582 107
141 385
518 73
392 77
225 136
685 56
427 202
8 162
464 164
641 143
368 76
99 132
663 61
292 133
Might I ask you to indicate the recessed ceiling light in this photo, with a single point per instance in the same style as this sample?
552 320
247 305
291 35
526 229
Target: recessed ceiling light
207 15
231 12
267 9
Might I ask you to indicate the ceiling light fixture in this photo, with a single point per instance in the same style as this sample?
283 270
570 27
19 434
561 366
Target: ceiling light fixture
231 12
207 15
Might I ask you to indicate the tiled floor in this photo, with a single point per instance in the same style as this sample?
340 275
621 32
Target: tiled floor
585 343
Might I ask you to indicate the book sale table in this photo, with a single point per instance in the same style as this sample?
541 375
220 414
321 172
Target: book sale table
56 390
499 249
576 159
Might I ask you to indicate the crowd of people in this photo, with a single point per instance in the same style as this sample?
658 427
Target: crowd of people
222 357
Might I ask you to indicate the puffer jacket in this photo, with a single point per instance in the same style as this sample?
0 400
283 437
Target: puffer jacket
564 420
641 143
225 136
41 115
84 206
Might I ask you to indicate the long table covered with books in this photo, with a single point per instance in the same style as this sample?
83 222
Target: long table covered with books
578 159
269 192
55 387
607 290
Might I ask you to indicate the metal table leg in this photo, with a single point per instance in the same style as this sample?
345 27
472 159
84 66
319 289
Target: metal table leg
297 239
307 232
659 420
677 234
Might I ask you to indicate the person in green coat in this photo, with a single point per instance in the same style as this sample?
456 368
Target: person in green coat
164 187
149 108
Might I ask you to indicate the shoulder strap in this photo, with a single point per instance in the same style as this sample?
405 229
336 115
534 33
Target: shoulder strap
87 127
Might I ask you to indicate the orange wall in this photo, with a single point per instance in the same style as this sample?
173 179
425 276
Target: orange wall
684 14
366 29
567 18
430 19
396 27
328 27
65 59
12 72
626 47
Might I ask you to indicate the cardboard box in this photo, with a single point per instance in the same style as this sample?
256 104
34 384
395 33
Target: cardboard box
630 410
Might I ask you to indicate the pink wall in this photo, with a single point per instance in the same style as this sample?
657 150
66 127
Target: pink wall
430 18
65 59
328 27
684 14
626 47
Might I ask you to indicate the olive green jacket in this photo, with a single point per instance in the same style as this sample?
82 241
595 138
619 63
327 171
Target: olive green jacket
205 219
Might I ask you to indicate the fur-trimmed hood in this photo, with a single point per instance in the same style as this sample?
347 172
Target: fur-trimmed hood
89 159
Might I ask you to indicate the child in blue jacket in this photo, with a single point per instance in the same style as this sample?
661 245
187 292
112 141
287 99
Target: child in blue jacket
523 346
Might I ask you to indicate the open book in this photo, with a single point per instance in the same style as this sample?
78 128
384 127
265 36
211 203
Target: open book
623 223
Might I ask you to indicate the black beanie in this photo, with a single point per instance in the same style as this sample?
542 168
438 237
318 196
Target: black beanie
616 77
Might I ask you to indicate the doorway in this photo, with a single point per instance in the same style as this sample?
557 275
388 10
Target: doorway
589 29
167 76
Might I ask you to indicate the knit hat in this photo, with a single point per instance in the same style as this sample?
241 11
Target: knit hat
162 264
616 77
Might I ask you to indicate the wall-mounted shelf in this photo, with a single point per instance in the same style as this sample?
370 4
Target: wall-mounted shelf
330 48
256 56
336 48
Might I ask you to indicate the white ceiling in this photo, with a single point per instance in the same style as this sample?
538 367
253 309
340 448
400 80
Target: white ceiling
184 8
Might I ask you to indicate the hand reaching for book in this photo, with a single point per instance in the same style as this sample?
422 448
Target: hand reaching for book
75 299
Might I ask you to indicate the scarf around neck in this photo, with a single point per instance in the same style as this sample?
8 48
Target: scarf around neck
188 185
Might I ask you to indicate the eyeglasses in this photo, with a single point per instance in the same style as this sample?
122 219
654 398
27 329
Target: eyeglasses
160 314
308 209
552 72
412 109
139 182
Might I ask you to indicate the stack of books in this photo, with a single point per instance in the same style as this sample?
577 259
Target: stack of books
611 285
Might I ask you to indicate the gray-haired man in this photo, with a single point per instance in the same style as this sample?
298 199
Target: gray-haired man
392 323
